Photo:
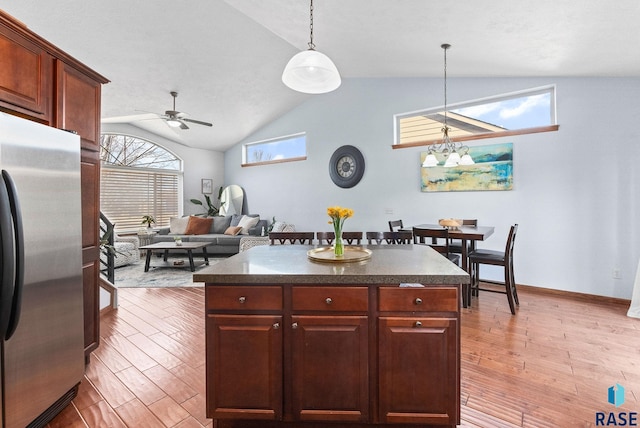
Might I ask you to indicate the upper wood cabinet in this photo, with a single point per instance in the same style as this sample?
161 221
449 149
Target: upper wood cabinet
25 76
40 82
78 104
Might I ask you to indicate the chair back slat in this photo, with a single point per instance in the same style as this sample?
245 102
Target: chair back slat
395 225
303 238
439 239
391 238
508 251
327 238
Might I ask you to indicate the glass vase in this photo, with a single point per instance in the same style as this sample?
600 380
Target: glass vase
338 248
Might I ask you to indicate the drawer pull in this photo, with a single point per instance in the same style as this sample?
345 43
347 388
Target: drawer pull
294 325
418 301
242 299
418 324
328 300
276 326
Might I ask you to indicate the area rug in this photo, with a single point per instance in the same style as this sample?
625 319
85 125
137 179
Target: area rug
134 276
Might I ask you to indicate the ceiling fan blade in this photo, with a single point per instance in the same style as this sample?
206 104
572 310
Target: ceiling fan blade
199 122
182 124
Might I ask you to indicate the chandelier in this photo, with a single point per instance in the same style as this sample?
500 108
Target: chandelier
310 71
448 149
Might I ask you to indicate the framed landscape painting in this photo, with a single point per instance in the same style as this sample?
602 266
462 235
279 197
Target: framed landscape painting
493 170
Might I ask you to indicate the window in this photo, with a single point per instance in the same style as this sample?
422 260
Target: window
138 178
523 112
283 149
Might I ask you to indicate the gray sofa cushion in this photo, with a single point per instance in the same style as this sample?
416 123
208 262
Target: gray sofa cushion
228 240
220 224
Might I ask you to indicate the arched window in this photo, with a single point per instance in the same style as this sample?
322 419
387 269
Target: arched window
138 178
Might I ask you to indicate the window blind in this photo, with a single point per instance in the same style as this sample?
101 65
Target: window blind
127 195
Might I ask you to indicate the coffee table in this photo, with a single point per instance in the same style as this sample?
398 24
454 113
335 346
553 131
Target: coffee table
166 246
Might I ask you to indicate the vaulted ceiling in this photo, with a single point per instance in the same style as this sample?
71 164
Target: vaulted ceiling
225 57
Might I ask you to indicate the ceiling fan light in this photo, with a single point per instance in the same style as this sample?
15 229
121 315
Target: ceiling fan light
311 72
174 123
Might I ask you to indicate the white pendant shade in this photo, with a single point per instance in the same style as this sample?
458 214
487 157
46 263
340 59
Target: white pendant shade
430 161
311 72
452 160
466 159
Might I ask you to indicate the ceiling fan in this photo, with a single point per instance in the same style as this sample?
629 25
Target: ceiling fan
176 119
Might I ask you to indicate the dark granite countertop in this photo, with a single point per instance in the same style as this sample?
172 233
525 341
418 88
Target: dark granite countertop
289 264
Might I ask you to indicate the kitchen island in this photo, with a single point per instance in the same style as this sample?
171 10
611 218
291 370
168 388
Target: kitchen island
293 342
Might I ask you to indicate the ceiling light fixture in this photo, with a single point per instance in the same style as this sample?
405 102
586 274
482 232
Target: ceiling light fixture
310 71
174 123
449 150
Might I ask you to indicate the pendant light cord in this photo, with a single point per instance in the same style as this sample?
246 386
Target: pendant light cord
311 45
445 47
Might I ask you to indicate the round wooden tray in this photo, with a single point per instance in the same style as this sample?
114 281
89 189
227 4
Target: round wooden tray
351 254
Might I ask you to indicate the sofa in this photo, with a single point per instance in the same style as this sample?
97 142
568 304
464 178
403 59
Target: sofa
224 233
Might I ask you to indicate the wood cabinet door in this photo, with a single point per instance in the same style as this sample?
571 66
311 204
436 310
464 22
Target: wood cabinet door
244 366
418 374
329 360
78 105
78 109
25 76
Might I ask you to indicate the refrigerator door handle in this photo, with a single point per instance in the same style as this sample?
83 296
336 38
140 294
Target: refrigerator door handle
7 267
16 213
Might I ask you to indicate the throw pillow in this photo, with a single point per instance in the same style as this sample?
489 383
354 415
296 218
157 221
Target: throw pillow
235 219
232 230
198 225
247 223
220 224
178 225
278 226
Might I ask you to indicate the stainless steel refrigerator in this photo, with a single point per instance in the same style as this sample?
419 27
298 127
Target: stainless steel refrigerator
41 309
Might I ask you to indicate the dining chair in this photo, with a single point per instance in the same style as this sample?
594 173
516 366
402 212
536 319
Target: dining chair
438 239
455 245
327 238
395 225
304 238
495 258
390 238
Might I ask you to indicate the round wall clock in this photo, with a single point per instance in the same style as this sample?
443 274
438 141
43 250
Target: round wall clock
346 166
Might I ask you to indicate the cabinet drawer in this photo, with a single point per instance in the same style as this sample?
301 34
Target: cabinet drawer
330 299
440 299
244 298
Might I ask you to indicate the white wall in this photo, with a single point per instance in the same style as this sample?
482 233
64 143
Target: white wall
197 164
575 191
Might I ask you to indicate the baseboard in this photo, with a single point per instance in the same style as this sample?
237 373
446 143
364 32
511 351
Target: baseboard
575 295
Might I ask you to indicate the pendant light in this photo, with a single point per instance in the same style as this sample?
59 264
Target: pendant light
310 71
446 147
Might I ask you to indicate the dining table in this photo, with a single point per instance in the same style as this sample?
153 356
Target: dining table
465 234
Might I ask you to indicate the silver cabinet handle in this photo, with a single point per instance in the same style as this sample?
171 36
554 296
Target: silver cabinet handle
294 325
418 301
418 323
242 299
328 300
276 326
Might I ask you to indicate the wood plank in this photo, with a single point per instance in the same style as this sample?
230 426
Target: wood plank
548 366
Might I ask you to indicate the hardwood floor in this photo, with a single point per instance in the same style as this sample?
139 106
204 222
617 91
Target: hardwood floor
549 366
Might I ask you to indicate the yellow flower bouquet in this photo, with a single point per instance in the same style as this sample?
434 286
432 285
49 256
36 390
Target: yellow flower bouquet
338 215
